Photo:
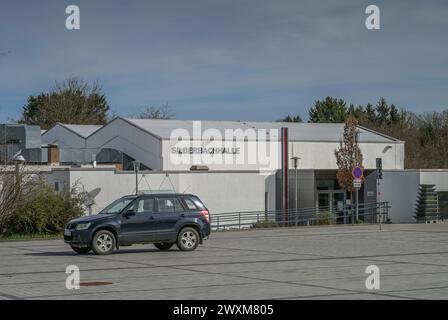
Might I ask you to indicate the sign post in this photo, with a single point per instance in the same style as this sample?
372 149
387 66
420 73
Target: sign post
296 197
358 174
379 176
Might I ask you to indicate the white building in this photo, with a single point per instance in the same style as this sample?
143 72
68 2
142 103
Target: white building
157 144
242 160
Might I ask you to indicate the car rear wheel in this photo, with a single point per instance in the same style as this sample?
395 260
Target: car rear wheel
103 242
163 245
81 250
188 239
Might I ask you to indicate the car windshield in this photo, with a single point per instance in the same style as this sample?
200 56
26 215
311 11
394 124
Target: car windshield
117 206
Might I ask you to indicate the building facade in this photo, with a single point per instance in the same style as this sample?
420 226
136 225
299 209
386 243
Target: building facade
173 145
251 153
233 166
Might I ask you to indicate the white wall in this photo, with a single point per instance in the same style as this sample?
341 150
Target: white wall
437 177
226 191
243 191
62 176
252 155
320 155
313 155
400 189
220 191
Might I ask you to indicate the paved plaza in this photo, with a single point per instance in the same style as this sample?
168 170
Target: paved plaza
292 263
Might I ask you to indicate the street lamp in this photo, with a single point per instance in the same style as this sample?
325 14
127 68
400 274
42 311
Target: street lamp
18 159
357 132
136 164
296 162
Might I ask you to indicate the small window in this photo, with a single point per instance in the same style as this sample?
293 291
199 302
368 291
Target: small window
190 204
56 186
169 205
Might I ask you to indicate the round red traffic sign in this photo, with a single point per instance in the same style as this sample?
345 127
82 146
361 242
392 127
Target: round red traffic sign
358 172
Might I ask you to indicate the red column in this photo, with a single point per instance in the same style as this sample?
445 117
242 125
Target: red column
285 167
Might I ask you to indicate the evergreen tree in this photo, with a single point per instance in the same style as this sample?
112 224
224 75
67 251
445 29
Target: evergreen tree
394 115
382 113
330 110
370 114
296 118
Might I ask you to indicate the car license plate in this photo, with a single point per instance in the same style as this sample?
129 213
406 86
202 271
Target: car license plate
67 233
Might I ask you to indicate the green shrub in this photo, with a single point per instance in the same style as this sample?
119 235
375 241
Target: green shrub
326 218
45 212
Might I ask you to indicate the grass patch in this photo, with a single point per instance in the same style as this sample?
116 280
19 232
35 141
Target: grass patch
29 237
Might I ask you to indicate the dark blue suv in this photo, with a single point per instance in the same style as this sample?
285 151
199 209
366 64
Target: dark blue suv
161 219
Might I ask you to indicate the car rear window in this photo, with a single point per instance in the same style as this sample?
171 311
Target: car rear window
198 203
190 204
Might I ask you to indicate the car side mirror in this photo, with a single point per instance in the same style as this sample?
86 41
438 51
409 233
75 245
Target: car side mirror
129 213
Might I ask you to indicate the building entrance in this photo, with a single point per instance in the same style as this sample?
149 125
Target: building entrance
331 201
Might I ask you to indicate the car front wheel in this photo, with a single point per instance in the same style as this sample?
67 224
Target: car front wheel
103 242
163 245
188 239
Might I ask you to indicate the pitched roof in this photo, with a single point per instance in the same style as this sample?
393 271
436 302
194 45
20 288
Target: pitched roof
326 132
81 130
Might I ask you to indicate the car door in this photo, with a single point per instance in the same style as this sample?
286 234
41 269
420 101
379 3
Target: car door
169 211
140 223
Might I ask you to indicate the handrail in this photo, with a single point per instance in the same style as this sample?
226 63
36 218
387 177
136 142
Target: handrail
374 212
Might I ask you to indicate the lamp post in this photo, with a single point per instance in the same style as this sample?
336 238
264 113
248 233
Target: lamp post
357 164
136 164
296 162
379 176
18 159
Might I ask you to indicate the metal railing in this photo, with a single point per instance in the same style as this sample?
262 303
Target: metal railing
375 212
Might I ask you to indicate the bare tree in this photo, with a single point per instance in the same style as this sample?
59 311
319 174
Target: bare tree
28 204
163 111
16 186
348 155
72 101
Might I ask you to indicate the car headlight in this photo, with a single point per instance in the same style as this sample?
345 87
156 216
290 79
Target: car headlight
82 226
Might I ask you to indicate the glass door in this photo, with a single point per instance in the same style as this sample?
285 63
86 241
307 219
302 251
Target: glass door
323 201
331 200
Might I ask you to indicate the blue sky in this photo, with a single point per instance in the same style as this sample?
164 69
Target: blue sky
228 59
